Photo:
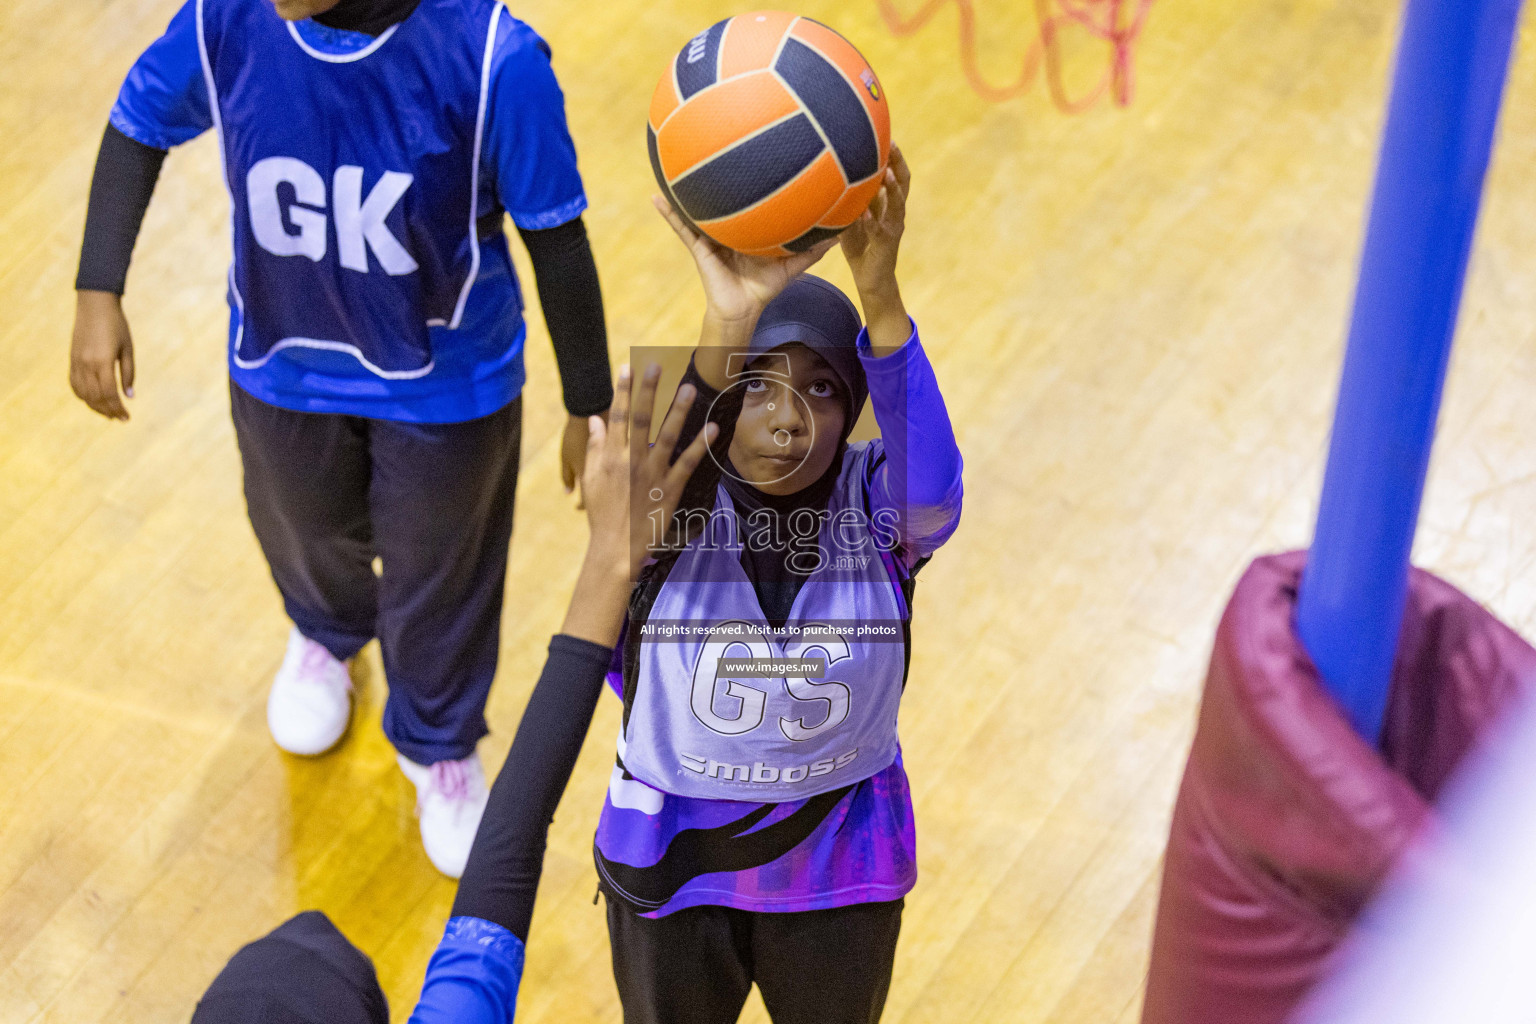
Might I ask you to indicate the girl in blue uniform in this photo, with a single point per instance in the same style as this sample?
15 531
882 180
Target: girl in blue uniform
370 149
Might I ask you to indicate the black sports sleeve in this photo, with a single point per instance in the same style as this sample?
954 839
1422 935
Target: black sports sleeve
502 875
124 179
566 275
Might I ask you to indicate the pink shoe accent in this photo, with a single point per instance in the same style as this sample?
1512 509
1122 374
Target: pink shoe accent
451 780
315 658
450 799
311 698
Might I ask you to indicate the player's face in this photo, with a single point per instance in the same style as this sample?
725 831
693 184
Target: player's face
789 430
298 10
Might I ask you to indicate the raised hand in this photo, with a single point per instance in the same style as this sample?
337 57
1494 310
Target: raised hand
870 243
737 286
870 246
630 486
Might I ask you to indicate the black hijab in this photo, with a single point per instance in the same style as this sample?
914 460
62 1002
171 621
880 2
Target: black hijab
813 313
303 972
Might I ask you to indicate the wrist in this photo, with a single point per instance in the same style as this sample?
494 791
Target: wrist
885 319
878 293
596 611
719 340
731 326
93 298
606 561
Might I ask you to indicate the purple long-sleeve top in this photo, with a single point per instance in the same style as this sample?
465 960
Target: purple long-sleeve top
658 852
920 480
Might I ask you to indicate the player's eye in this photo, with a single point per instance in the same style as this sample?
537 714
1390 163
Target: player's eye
756 386
823 389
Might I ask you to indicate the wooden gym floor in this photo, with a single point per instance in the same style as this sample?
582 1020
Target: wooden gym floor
1136 315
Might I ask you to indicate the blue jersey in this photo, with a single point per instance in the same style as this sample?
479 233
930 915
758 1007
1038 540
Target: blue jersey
367 177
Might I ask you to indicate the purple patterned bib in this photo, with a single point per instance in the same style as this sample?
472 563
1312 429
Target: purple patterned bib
728 707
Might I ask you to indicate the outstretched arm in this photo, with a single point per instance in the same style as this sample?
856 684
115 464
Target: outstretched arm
920 478
473 976
870 245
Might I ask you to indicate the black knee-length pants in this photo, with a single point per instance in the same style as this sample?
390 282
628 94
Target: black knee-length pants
433 501
697 965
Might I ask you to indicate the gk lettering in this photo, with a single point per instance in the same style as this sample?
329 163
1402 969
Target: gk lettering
359 221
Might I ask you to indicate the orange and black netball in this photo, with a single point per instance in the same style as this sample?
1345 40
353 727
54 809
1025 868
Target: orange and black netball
769 132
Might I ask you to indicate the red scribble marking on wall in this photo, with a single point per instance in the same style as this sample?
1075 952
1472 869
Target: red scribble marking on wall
1117 22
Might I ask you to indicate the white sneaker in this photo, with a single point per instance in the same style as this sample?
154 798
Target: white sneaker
450 798
311 699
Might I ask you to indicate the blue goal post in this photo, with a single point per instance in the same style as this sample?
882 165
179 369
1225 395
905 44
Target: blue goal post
1452 58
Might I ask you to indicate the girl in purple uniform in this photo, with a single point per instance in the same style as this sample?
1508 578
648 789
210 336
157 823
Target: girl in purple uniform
758 824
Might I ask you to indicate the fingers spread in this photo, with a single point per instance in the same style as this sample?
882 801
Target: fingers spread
640 414
898 163
618 412
690 458
676 222
668 214
896 195
672 426
597 433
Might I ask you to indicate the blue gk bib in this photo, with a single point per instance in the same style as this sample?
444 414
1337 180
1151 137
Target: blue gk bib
353 178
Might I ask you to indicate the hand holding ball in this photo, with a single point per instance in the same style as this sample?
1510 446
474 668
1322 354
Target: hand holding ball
769 133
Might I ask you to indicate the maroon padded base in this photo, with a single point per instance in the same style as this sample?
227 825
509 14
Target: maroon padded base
1286 821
